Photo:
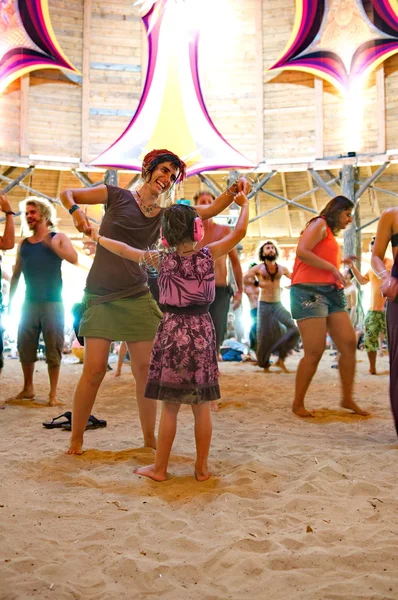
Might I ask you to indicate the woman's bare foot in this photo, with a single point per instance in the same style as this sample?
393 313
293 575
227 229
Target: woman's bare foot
372 371
151 473
351 405
150 442
27 393
75 448
53 401
214 406
300 411
117 373
202 474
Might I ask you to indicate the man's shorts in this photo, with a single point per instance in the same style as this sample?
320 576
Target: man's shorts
375 324
316 301
41 317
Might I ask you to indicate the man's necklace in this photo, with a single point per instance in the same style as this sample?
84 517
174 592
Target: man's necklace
147 210
274 274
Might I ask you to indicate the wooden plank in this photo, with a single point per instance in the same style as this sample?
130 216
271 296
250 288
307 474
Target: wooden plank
319 125
23 116
85 121
381 110
313 194
259 69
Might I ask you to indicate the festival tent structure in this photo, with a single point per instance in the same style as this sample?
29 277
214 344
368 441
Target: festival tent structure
300 95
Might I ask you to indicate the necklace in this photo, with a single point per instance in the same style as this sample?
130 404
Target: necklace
274 274
147 210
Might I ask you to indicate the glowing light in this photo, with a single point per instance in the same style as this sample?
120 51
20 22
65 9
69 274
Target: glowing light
172 112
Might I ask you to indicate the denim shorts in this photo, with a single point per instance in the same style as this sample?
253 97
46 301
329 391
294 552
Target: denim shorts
316 301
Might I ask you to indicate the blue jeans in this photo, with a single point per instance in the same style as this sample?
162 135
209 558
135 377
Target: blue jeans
316 301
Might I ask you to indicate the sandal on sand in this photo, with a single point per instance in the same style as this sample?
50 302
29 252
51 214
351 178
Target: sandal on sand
92 423
55 423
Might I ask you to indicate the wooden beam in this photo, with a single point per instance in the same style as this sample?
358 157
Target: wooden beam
381 110
371 179
373 195
83 178
284 188
259 71
24 116
319 128
318 179
259 184
212 185
17 181
312 192
85 115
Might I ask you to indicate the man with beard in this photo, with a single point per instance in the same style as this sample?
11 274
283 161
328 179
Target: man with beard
39 259
276 331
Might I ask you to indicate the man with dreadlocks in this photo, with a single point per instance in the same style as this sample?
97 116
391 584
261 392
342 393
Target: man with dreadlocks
118 303
276 331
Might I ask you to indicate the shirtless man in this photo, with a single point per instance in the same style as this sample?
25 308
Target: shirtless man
375 322
271 337
252 291
220 307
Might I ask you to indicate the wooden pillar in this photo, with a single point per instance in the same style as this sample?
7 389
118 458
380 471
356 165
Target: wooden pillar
111 177
353 235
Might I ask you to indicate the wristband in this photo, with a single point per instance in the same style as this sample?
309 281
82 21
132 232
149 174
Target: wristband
98 240
10 212
73 208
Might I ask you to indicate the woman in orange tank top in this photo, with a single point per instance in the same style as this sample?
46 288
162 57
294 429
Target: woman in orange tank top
318 303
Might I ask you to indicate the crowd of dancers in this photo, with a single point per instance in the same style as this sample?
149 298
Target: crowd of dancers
174 340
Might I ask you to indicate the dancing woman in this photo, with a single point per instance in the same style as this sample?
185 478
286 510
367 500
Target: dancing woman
387 231
130 313
318 303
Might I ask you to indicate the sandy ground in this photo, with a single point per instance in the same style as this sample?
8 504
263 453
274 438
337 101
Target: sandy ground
295 509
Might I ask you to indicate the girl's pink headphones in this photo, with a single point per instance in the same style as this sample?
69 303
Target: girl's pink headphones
198 232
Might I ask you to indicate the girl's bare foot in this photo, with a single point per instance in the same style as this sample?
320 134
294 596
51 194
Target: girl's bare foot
151 473
351 405
372 371
52 401
214 406
202 474
117 373
75 448
27 393
300 411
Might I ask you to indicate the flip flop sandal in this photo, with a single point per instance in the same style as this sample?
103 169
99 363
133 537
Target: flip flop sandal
92 423
55 423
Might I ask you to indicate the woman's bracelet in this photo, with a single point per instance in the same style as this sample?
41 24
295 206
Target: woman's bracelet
381 272
73 208
10 212
98 239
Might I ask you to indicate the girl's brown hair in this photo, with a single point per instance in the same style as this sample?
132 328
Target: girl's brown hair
177 223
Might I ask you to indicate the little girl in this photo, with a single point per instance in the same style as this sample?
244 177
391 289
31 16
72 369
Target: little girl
183 367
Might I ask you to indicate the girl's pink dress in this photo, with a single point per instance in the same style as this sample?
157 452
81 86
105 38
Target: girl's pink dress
183 365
